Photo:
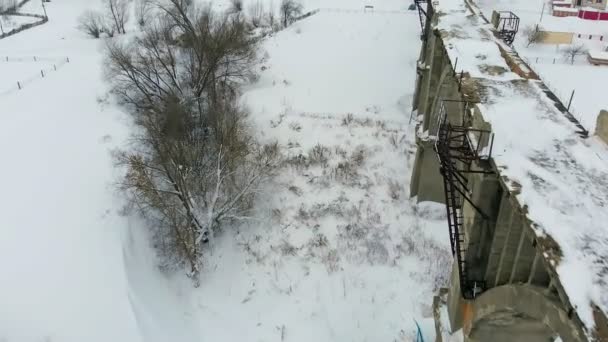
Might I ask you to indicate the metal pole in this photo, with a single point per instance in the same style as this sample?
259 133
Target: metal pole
44 8
570 102
542 12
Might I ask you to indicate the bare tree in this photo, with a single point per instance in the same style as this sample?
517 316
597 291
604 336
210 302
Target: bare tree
534 35
193 165
270 16
142 11
91 23
574 50
290 10
256 13
118 13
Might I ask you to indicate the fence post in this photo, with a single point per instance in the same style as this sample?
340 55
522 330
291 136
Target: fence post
570 102
19 85
42 73
460 81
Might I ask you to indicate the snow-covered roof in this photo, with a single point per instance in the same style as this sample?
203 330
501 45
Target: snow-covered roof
559 178
595 54
573 24
566 9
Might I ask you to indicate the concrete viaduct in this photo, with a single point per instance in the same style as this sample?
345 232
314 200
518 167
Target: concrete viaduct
504 286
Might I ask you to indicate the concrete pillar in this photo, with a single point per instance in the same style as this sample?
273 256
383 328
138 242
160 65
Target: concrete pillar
509 250
538 272
427 181
524 258
486 194
456 304
601 127
501 232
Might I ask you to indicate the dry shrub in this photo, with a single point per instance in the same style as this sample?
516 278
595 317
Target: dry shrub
319 155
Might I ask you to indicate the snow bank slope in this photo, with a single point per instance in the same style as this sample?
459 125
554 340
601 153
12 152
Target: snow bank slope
67 273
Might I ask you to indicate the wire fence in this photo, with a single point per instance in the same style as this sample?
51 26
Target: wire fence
578 60
567 97
40 73
27 59
366 9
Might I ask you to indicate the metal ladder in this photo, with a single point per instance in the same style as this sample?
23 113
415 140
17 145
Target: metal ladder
456 150
421 5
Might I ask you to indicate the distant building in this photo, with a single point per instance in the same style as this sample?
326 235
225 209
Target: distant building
584 9
597 4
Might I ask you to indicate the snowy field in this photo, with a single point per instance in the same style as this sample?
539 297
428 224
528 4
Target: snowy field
337 252
561 77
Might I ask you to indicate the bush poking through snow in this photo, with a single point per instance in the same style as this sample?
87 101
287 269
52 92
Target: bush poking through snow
91 23
112 20
290 10
193 165
295 126
347 119
319 155
394 189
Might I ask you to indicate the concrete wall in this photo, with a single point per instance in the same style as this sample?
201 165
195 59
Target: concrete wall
601 126
552 37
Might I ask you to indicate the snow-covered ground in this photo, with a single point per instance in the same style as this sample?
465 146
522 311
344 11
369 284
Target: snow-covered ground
340 254
338 251
548 60
10 22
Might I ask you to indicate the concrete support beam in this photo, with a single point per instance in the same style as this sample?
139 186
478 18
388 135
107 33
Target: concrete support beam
524 259
501 233
486 195
509 251
538 272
